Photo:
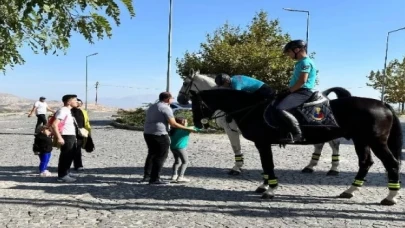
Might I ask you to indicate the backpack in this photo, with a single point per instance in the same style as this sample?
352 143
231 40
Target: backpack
61 124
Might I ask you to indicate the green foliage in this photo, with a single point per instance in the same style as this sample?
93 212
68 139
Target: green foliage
137 118
394 82
133 118
47 25
256 51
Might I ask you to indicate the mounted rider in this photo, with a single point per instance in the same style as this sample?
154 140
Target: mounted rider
245 83
300 88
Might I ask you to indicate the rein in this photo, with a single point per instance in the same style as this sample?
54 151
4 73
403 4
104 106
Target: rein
250 108
202 103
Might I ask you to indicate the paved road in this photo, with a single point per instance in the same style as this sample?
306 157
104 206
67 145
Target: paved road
107 195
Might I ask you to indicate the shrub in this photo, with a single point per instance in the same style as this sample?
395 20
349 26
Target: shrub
132 118
137 118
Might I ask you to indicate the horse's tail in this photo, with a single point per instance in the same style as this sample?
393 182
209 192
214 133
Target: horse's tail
395 139
339 91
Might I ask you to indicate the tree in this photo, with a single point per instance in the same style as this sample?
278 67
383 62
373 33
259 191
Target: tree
256 51
394 83
47 25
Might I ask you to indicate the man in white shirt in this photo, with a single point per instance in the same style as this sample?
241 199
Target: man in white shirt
40 107
66 137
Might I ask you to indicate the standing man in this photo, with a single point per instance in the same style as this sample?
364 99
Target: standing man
158 118
40 107
66 136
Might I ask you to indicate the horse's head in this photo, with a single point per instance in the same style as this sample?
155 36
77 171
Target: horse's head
194 82
201 112
233 102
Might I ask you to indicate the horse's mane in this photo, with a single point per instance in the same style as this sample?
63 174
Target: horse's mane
242 97
207 78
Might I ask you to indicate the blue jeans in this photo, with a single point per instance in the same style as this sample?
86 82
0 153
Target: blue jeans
44 160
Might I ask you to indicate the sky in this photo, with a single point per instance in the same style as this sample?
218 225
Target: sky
348 37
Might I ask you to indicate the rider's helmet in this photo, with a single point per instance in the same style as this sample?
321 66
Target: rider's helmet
220 79
294 44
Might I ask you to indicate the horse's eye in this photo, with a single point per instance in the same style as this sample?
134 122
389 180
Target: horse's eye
185 83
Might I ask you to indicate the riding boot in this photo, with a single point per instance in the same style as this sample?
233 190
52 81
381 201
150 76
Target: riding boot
292 125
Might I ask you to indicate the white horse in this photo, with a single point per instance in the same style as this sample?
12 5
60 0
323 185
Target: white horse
198 82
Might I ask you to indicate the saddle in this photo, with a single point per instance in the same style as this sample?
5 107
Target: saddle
314 112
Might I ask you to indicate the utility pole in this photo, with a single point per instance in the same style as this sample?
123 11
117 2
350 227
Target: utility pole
169 46
85 107
385 63
302 11
97 84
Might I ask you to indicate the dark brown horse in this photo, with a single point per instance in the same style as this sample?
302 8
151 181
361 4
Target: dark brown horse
370 123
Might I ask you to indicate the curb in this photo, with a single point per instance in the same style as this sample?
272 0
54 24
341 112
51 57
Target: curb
13 114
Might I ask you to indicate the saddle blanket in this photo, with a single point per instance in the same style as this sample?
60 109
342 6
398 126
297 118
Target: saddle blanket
313 114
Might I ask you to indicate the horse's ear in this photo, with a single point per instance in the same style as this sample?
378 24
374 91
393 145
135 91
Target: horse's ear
191 73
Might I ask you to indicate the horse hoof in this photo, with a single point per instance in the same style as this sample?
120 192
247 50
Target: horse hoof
267 196
387 202
307 170
346 195
332 173
233 172
260 190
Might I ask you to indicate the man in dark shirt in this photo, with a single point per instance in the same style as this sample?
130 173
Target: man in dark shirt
158 118
79 117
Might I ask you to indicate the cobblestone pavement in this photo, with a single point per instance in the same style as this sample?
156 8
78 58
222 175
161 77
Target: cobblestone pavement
108 195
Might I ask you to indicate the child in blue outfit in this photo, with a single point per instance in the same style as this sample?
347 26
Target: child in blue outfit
179 140
43 148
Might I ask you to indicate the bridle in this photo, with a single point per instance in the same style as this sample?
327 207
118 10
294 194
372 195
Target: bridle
214 117
203 104
188 88
190 84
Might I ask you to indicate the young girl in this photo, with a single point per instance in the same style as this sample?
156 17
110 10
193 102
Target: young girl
179 141
43 147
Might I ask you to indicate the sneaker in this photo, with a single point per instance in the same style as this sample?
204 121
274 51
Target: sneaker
45 173
174 177
73 174
66 179
182 179
79 170
158 182
144 180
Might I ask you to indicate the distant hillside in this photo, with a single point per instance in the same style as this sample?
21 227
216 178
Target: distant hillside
11 103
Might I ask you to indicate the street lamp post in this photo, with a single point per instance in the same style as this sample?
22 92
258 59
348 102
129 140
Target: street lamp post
302 11
385 62
169 51
85 107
